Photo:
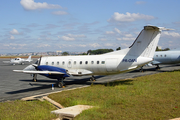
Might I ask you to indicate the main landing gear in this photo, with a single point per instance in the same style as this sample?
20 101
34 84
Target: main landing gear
141 69
34 78
60 83
92 78
157 68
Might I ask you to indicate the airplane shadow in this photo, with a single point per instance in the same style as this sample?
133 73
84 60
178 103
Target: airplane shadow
47 84
29 89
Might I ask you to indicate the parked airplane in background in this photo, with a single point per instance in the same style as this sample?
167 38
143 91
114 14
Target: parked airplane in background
166 57
18 61
138 54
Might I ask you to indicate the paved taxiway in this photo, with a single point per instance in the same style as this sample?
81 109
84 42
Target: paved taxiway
18 85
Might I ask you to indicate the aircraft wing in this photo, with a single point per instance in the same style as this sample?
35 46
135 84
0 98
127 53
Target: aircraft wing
38 72
6 61
155 62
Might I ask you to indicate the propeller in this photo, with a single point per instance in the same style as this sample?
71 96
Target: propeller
36 67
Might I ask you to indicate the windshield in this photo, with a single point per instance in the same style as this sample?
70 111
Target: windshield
37 62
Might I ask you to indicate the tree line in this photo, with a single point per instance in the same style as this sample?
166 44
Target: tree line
102 51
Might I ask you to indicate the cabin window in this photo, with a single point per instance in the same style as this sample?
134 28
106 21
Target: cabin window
80 62
74 62
58 63
161 55
156 55
92 62
86 62
97 62
46 63
102 62
63 63
164 55
69 62
52 63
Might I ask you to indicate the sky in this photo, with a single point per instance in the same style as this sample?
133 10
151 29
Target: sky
81 25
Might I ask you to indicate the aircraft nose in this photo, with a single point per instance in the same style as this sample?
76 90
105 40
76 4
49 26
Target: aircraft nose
30 68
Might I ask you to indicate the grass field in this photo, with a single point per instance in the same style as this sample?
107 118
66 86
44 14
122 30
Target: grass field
26 110
149 97
152 97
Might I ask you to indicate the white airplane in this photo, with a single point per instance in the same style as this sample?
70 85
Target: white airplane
18 61
138 54
166 57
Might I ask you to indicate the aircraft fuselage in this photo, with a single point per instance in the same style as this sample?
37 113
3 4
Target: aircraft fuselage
95 64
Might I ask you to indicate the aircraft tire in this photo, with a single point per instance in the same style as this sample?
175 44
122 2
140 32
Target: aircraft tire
34 80
60 85
92 79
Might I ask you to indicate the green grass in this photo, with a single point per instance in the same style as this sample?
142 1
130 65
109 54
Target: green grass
26 110
149 97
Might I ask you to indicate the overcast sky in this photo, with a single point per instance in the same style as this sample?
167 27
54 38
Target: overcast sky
80 25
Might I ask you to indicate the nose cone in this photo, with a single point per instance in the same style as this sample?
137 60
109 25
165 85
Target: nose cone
30 68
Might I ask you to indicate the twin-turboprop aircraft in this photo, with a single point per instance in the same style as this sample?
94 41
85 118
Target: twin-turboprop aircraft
166 57
18 61
138 54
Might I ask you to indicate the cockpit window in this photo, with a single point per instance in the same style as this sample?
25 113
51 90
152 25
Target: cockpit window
36 62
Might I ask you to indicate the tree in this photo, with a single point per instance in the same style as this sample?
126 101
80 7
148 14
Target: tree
119 48
166 49
65 53
89 52
99 51
157 49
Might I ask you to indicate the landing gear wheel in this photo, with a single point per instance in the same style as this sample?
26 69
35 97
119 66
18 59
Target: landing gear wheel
141 69
34 80
60 85
92 78
157 68
34 77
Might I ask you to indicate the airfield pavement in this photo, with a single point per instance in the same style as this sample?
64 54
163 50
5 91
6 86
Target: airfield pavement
15 86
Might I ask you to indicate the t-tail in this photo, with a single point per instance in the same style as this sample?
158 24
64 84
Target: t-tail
146 42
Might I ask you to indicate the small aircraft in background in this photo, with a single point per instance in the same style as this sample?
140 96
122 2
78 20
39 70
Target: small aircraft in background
18 61
137 55
166 57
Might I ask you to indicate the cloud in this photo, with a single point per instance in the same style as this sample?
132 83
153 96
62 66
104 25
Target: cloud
129 17
125 45
77 36
14 32
71 37
12 37
140 2
67 38
109 32
94 45
109 44
172 34
43 45
31 5
117 30
59 13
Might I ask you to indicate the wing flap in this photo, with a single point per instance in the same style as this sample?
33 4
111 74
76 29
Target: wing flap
79 72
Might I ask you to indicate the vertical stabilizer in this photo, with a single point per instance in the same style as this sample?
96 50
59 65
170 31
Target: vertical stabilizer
146 42
29 59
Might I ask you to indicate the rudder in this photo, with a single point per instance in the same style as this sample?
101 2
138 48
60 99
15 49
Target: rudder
146 42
